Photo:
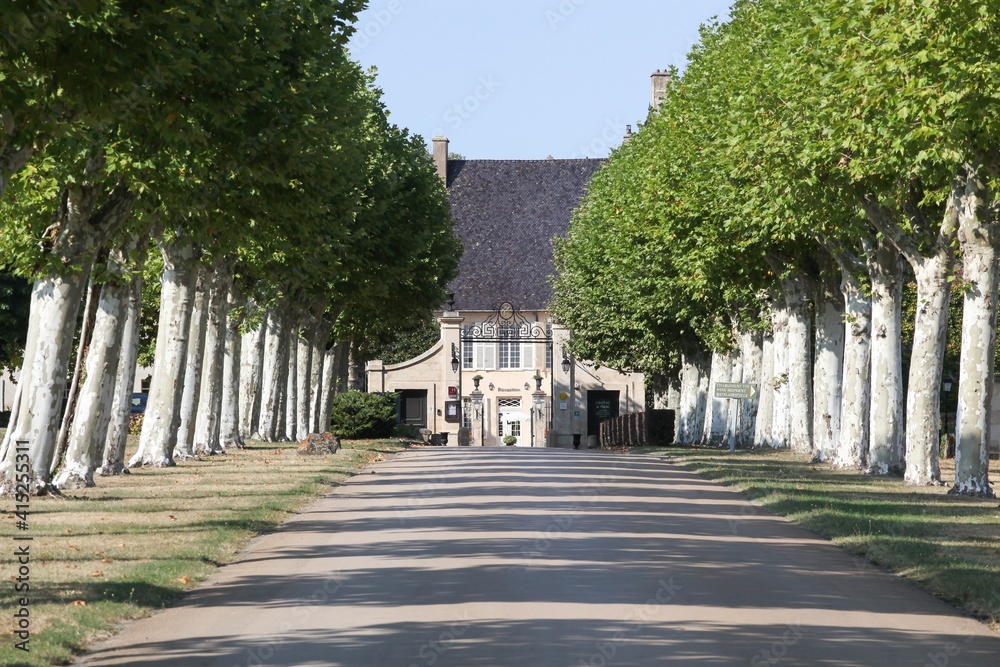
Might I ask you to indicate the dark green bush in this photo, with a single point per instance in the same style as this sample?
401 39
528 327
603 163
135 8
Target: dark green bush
360 415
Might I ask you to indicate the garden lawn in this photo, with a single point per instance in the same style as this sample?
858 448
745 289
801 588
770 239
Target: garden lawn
949 545
135 542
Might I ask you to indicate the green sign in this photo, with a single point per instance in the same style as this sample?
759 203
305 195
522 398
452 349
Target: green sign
735 390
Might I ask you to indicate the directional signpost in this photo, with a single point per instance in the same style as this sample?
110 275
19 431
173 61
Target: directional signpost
734 390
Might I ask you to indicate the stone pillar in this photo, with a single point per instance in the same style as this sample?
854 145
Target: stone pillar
539 420
563 398
660 79
477 418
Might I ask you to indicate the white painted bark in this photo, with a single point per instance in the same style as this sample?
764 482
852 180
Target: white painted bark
291 400
751 353
251 367
796 291
885 449
828 363
330 357
229 421
191 391
162 417
81 228
717 410
207 417
113 460
931 258
317 378
853 445
978 239
762 436
690 416
303 377
273 372
93 413
781 420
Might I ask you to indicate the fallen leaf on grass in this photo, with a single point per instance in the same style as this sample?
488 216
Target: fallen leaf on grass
106 560
184 580
74 548
68 531
79 603
99 573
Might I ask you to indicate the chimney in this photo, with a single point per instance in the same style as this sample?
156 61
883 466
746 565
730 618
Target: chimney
660 80
628 132
441 157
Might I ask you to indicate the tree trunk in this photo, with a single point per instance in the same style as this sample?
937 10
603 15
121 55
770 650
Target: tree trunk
75 386
251 366
317 378
978 239
885 449
762 434
93 414
931 259
856 377
355 370
229 422
330 377
81 228
162 417
691 416
796 291
828 364
207 418
273 372
291 401
303 379
113 462
191 391
751 351
781 422
717 413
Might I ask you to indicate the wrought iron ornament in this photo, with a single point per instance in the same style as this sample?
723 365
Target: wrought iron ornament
507 323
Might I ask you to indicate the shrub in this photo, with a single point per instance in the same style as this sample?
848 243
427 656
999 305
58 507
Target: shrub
360 415
135 423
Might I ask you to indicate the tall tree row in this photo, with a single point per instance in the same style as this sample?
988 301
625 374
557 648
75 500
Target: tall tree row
811 159
238 145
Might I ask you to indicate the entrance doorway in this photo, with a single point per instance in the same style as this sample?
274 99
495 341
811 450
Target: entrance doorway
601 405
510 420
413 407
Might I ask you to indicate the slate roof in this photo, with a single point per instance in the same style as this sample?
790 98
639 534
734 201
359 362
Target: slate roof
506 212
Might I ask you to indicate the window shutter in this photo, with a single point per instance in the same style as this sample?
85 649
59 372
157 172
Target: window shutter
489 356
528 356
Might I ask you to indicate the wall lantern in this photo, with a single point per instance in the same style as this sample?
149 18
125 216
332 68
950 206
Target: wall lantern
454 358
565 363
527 386
492 387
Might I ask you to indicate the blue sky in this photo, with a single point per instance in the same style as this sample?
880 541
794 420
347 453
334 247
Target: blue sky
525 79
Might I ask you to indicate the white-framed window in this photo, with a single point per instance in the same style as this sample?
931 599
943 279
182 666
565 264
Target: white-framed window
467 412
468 349
510 349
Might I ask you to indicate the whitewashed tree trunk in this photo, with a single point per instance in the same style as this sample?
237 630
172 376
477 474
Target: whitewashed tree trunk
735 375
828 363
885 449
162 416
979 239
207 418
717 412
81 228
857 375
184 449
303 378
762 434
273 372
691 415
317 379
113 460
781 421
229 422
931 260
330 377
93 413
291 400
796 291
251 367
751 352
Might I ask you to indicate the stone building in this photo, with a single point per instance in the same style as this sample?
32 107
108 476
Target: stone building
500 368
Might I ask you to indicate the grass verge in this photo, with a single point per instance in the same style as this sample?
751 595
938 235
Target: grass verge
949 545
135 542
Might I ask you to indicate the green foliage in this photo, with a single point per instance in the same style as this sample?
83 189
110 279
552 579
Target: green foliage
15 304
361 415
394 346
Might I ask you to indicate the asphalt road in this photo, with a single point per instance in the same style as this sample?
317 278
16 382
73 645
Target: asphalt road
536 558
